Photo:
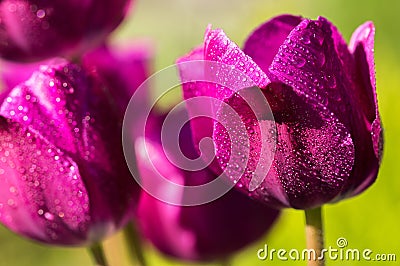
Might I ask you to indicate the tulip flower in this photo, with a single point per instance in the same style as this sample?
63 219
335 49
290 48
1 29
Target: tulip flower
196 233
122 69
32 30
322 94
63 175
323 98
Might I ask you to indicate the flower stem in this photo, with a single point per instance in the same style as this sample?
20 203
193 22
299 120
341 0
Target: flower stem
315 235
97 252
135 244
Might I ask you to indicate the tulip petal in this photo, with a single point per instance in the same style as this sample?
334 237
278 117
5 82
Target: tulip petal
218 48
362 47
314 153
262 45
309 62
316 62
232 71
201 126
121 69
360 93
28 170
370 154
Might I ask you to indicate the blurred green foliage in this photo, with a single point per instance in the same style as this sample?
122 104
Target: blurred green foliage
370 220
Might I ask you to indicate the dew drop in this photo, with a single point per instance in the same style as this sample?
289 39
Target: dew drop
306 37
40 13
49 216
299 62
12 8
11 203
319 38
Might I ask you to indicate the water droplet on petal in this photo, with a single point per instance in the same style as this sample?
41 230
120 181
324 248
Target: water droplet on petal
306 37
319 38
11 203
49 216
41 13
299 62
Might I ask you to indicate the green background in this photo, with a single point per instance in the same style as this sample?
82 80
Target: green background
370 220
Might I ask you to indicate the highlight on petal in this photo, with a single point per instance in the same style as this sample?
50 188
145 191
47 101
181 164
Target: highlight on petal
263 43
30 165
218 48
225 69
12 74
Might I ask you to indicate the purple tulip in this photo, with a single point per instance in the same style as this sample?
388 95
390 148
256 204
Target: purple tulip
323 97
197 233
122 69
63 176
34 30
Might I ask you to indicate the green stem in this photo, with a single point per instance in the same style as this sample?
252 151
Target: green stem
135 244
315 235
97 252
